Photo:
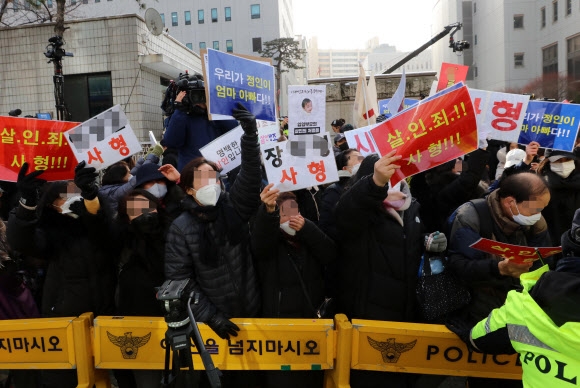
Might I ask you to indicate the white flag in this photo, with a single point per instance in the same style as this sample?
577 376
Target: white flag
397 101
365 105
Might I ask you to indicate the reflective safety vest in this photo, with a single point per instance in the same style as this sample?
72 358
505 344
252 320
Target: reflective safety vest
550 355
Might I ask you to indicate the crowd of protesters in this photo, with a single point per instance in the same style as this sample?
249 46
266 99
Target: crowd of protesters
104 244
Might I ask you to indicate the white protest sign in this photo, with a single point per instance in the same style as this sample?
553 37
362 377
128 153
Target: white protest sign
225 151
268 131
362 140
104 139
499 115
306 110
296 164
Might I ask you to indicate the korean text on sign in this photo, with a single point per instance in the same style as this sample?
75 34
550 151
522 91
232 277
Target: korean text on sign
225 151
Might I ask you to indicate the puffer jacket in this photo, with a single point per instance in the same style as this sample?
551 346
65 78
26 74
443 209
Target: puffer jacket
215 253
564 200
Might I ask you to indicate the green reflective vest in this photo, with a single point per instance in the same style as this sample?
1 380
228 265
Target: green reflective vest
550 355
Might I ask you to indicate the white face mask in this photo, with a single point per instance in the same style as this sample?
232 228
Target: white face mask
286 228
65 207
525 220
158 190
563 169
208 195
355 169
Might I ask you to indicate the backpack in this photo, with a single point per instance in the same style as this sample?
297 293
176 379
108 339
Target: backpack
485 219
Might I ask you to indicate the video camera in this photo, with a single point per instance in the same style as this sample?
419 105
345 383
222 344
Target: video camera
54 50
194 87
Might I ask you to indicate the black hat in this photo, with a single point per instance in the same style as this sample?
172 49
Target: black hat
148 172
554 155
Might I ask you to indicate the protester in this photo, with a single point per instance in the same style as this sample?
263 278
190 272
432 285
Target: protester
170 155
346 128
542 322
290 253
337 124
209 242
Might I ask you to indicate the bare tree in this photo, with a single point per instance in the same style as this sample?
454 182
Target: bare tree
21 12
554 85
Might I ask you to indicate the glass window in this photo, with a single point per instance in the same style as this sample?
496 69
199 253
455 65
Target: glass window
173 19
550 71
574 58
187 16
85 1
255 11
474 7
49 3
72 2
216 45
214 15
87 95
228 13
202 45
256 44
543 17
518 21
189 46
475 40
162 18
15 5
568 7
555 10
230 46
200 16
519 59
96 1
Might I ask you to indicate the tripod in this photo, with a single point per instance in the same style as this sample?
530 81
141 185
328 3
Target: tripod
178 346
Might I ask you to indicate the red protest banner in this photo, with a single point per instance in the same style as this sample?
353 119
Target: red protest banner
40 143
516 253
429 133
451 74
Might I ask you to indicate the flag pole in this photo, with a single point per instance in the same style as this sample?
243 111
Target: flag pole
364 86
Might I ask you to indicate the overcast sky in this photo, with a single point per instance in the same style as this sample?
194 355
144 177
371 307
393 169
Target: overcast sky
405 24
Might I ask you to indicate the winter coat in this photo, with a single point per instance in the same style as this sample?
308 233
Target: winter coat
211 245
379 257
274 252
189 133
564 200
480 270
328 202
81 253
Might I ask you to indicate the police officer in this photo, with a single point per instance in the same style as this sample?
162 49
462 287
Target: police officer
542 322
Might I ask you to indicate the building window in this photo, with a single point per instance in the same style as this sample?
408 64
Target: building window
555 10
187 16
474 7
255 11
214 17
49 3
568 7
200 16
475 40
543 17
230 46
519 60
85 1
550 71
256 44
475 71
216 45
228 13
573 67
518 21
189 46
96 1
162 18
174 19
72 2
202 46
87 95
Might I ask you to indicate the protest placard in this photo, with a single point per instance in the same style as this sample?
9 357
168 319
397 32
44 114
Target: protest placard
268 131
384 110
231 79
40 143
362 140
516 253
429 133
306 110
303 162
499 115
552 124
104 139
225 151
450 74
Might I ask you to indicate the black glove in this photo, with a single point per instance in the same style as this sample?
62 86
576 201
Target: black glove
223 326
29 186
575 229
247 120
461 328
86 180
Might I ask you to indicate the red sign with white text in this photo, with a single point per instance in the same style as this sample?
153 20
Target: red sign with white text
429 133
40 143
516 253
451 74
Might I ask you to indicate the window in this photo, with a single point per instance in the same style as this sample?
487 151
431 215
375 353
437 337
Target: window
230 46
200 16
187 17
518 21
475 40
85 1
550 71
228 13
87 95
15 5
255 11
216 45
162 18
474 7
72 2
573 54
202 46
189 46
568 7
543 17
214 16
555 10
49 3
96 1
519 60
173 19
256 44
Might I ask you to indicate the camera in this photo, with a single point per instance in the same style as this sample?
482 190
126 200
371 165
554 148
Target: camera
460 45
54 50
194 86
174 295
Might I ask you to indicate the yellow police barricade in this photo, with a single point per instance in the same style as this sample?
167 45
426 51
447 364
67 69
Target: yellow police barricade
261 344
49 343
425 349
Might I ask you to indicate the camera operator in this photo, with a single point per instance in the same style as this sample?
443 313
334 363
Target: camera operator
189 128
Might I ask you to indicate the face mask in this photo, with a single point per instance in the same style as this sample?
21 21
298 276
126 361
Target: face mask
355 169
563 169
208 195
286 228
146 223
158 190
65 207
343 146
525 220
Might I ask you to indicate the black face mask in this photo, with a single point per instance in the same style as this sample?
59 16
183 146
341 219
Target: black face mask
343 146
146 223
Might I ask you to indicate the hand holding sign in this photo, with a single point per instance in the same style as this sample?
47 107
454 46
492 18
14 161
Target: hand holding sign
508 267
269 197
384 168
531 151
86 180
29 186
247 120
